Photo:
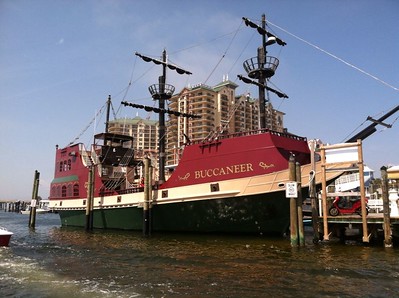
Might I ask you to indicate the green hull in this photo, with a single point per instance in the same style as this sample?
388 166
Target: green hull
266 214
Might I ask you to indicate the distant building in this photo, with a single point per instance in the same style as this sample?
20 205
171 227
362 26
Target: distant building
143 131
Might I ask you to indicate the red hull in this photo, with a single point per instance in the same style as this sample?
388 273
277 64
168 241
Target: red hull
5 239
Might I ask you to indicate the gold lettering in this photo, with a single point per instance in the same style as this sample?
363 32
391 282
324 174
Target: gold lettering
230 170
236 168
233 169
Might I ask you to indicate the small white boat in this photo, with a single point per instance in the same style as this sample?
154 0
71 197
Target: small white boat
5 236
38 211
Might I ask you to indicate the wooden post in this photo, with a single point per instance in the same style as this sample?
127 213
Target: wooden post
293 207
366 236
312 193
299 202
385 202
147 190
32 214
326 235
90 199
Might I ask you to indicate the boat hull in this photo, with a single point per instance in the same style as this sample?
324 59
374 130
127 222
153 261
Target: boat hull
255 214
5 237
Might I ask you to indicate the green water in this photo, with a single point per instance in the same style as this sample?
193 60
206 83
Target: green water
61 262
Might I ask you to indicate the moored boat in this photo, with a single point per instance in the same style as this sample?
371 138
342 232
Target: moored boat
5 236
38 210
227 184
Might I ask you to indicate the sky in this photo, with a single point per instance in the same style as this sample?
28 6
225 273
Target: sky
60 59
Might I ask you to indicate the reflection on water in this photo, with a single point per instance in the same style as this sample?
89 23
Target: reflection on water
64 262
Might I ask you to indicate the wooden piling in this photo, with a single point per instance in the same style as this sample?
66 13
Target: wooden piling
293 204
32 213
299 202
312 193
147 193
366 236
385 202
90 200
326 235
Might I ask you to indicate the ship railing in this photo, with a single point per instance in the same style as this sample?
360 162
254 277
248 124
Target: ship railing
248 133
94 155
112 192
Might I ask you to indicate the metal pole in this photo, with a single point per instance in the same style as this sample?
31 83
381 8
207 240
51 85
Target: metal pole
385 202
293 206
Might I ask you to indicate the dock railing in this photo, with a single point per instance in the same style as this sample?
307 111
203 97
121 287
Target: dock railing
340 154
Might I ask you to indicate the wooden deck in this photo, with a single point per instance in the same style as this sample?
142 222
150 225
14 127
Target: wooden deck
372 218
343 226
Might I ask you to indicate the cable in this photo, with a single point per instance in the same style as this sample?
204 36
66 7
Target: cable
338 58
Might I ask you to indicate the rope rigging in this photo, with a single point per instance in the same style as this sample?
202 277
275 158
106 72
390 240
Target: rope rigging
337 58
100 111
225 52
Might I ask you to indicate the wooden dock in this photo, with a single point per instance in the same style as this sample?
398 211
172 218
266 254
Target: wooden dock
344 226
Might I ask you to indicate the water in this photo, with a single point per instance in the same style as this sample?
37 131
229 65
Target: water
62 262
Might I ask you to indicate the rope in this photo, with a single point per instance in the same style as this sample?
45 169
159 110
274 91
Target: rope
225 52
87 127
338 58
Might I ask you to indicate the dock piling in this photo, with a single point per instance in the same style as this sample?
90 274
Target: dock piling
293 204
32 213
312 193
90 200
385 202
299 202
147 194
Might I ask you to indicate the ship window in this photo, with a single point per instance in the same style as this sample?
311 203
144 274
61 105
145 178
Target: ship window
76 190
69 190
63 191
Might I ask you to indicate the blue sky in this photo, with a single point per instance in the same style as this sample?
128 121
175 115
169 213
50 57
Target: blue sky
61 59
